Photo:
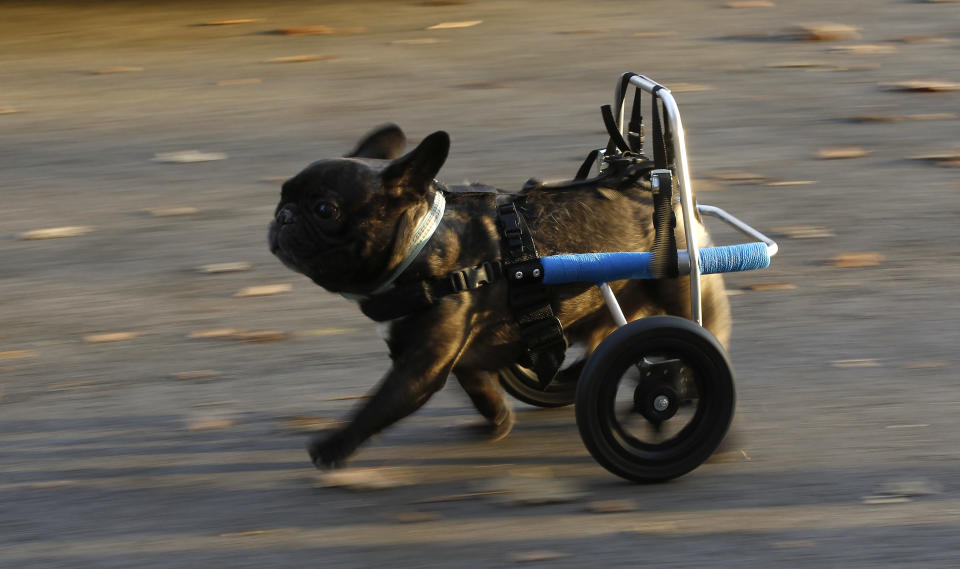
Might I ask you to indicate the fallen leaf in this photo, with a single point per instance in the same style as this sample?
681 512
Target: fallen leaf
539 555
317 31
217 333
302 58
933 116
766 287
865 49
749 4
9 110
799 65
173 211
925 86
611 506
419 41
856 260
210 423
188 156
945 155
531 489
882 500
912 426
217 268
841 152
792 183
804 231
454 25
110 337
365 478
18 354
117 69
196 375
263 290
55 232
920 38
688 87
863 362
310 423
262 336
823 31
231 22
234 82
414 517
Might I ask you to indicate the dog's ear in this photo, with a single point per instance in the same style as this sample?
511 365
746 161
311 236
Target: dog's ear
416 169
385 142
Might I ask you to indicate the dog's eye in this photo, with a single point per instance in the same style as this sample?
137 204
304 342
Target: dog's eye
327 210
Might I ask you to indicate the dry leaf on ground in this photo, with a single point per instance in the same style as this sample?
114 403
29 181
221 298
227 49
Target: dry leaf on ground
217 333
865 49
419 41
804 231
317 31
767 287
262 336
263 290
110 337
823 31
862 362
210 423
55 232
792 183
18 354
187 157
231 22
925 86
217 268
454 25
537 556
856 260
9 110
302 58
841 152
365 479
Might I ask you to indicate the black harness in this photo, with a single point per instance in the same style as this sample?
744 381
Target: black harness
519 264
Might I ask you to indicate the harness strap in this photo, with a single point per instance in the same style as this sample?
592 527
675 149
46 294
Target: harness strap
528 297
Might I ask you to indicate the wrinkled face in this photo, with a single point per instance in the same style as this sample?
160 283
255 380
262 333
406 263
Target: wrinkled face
337 220
332 223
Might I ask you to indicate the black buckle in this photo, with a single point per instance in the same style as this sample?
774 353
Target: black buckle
474 277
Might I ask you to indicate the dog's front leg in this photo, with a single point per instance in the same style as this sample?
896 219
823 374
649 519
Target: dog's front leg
423 354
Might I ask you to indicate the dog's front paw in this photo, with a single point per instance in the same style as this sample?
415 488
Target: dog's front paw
330 451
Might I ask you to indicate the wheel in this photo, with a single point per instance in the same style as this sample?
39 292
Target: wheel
655 399
523 383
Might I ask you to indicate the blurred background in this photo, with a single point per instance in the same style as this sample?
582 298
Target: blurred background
160 371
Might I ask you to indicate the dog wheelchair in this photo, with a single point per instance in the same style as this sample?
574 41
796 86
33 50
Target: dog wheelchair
656 397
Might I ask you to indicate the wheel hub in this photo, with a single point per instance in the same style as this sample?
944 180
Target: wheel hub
656 396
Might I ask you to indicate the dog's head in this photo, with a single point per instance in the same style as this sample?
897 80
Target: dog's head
339 221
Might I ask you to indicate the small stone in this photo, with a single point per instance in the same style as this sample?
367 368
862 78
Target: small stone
863 362
856 260
217 268
235 82
302 58
110 337
262 336
865 49
537 556
117 69
55 232
218 333
414 517
173 211
823 31
187 157
231 22
767 287
455 25
365 478
18 354
749 4
263 290
925 86
841 152
196 375
611 506
210 423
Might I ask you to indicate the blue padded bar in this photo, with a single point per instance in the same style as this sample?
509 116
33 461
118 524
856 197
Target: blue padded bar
732 258
596 267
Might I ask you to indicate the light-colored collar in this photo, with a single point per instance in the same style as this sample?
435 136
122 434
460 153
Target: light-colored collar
421 235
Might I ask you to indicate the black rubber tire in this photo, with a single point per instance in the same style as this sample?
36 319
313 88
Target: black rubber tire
621 453
523 384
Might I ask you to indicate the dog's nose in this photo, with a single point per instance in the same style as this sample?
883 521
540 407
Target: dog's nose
285 216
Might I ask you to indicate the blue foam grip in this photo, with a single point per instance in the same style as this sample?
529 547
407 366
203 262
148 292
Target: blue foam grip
732 258
596 267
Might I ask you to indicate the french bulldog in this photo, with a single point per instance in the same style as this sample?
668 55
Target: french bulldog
346 223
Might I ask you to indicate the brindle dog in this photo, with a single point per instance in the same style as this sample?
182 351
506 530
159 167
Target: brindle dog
346 222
